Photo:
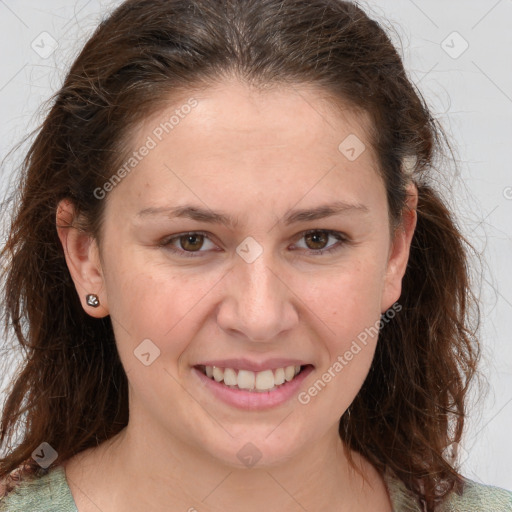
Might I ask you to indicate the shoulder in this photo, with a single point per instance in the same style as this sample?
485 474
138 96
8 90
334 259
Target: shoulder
475 497
478 497
45 493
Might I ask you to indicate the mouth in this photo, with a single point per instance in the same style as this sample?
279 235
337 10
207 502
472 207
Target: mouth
256 382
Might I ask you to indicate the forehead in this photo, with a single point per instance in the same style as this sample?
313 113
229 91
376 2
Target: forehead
236 141
241 117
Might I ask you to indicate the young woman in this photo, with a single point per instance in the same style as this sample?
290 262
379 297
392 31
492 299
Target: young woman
234 283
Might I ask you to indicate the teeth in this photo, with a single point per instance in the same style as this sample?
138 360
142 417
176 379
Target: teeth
289 373
265 380
253 381
279 376
245 379
230 378
218 374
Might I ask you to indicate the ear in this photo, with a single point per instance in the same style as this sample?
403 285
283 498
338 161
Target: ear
399 250
82 258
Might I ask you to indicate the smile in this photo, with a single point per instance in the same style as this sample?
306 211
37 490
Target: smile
263 381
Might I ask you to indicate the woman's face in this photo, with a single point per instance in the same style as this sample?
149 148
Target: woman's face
246 174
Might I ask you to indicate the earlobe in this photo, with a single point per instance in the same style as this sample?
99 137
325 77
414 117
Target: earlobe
82 258
400 250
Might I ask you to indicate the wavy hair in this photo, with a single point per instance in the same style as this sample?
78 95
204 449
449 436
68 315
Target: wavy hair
70 389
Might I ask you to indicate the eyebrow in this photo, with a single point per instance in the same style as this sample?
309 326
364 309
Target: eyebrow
292 216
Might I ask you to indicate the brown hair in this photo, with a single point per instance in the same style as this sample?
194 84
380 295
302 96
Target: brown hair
71 390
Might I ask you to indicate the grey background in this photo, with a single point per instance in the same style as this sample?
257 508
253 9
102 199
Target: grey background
469 91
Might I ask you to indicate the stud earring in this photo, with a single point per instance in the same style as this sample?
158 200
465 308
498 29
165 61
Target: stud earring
92 300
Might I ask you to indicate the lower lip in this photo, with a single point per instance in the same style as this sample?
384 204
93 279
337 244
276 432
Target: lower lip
254 400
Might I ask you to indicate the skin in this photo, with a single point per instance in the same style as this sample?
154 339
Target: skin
253 155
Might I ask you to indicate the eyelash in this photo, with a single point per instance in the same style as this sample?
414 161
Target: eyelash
342 240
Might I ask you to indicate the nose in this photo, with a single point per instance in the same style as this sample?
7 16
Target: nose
259 304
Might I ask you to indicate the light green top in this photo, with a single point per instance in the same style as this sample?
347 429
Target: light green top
51 493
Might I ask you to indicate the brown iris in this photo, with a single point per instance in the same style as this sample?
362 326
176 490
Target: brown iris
191 242
318 237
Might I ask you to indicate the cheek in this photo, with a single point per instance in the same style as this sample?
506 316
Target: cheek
156 303
348 298
348 304
349 307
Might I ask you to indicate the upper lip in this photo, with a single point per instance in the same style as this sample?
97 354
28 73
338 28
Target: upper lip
253 366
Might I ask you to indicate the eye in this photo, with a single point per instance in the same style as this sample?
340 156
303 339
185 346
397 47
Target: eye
319 237
190 243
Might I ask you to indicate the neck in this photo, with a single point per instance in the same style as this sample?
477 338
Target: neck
158 471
